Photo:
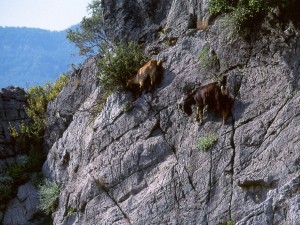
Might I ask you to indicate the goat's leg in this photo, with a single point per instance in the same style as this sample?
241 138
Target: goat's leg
199 116
152 82
225 113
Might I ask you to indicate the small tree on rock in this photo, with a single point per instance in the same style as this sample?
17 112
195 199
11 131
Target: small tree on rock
89 35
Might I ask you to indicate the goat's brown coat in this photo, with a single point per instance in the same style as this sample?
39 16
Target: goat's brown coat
147 77
213 95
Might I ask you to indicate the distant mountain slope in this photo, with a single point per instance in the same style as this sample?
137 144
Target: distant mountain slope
31 56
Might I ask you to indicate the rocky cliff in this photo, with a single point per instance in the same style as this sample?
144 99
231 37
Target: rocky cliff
12 103
142 166
12 111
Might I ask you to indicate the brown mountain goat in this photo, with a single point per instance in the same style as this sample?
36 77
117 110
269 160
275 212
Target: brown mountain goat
146 78
213 95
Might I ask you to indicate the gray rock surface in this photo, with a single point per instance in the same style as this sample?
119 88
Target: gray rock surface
21 209
60 111
12 102
142 166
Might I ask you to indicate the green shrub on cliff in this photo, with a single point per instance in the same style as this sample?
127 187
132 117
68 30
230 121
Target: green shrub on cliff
116 63
230 222
37 101
119 64
48 195
206 142
243 15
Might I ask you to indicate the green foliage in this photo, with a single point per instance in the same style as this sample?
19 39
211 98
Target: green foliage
70 211
203 53
26 164
89 37
230 222
207 58
245 15
48 195
28 136
6 183
53 90
16 172
220 6
119 64
126 107
37 101
206 142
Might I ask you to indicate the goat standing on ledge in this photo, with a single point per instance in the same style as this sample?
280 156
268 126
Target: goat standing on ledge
146 78
213 95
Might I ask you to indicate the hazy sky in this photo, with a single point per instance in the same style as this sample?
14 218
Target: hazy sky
45 14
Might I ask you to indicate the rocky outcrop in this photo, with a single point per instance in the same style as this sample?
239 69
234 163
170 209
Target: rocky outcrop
141 165
12 102
23 208
60 111
12 113
135 20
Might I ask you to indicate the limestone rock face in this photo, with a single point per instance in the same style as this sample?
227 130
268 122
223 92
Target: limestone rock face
60 111
142 166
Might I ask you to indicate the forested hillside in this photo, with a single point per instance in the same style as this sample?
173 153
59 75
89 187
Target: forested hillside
33 56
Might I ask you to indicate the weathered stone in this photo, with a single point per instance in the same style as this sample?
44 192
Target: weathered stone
60 111
12 112
21 210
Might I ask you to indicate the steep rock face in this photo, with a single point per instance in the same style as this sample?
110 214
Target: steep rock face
142 166
12 102
144 21
60 111
134 19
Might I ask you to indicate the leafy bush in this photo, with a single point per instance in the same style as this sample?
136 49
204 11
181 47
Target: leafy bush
53 90
230 222
48 195
16 172
216 7
119 64
37 101
20 171
206 142
245 15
